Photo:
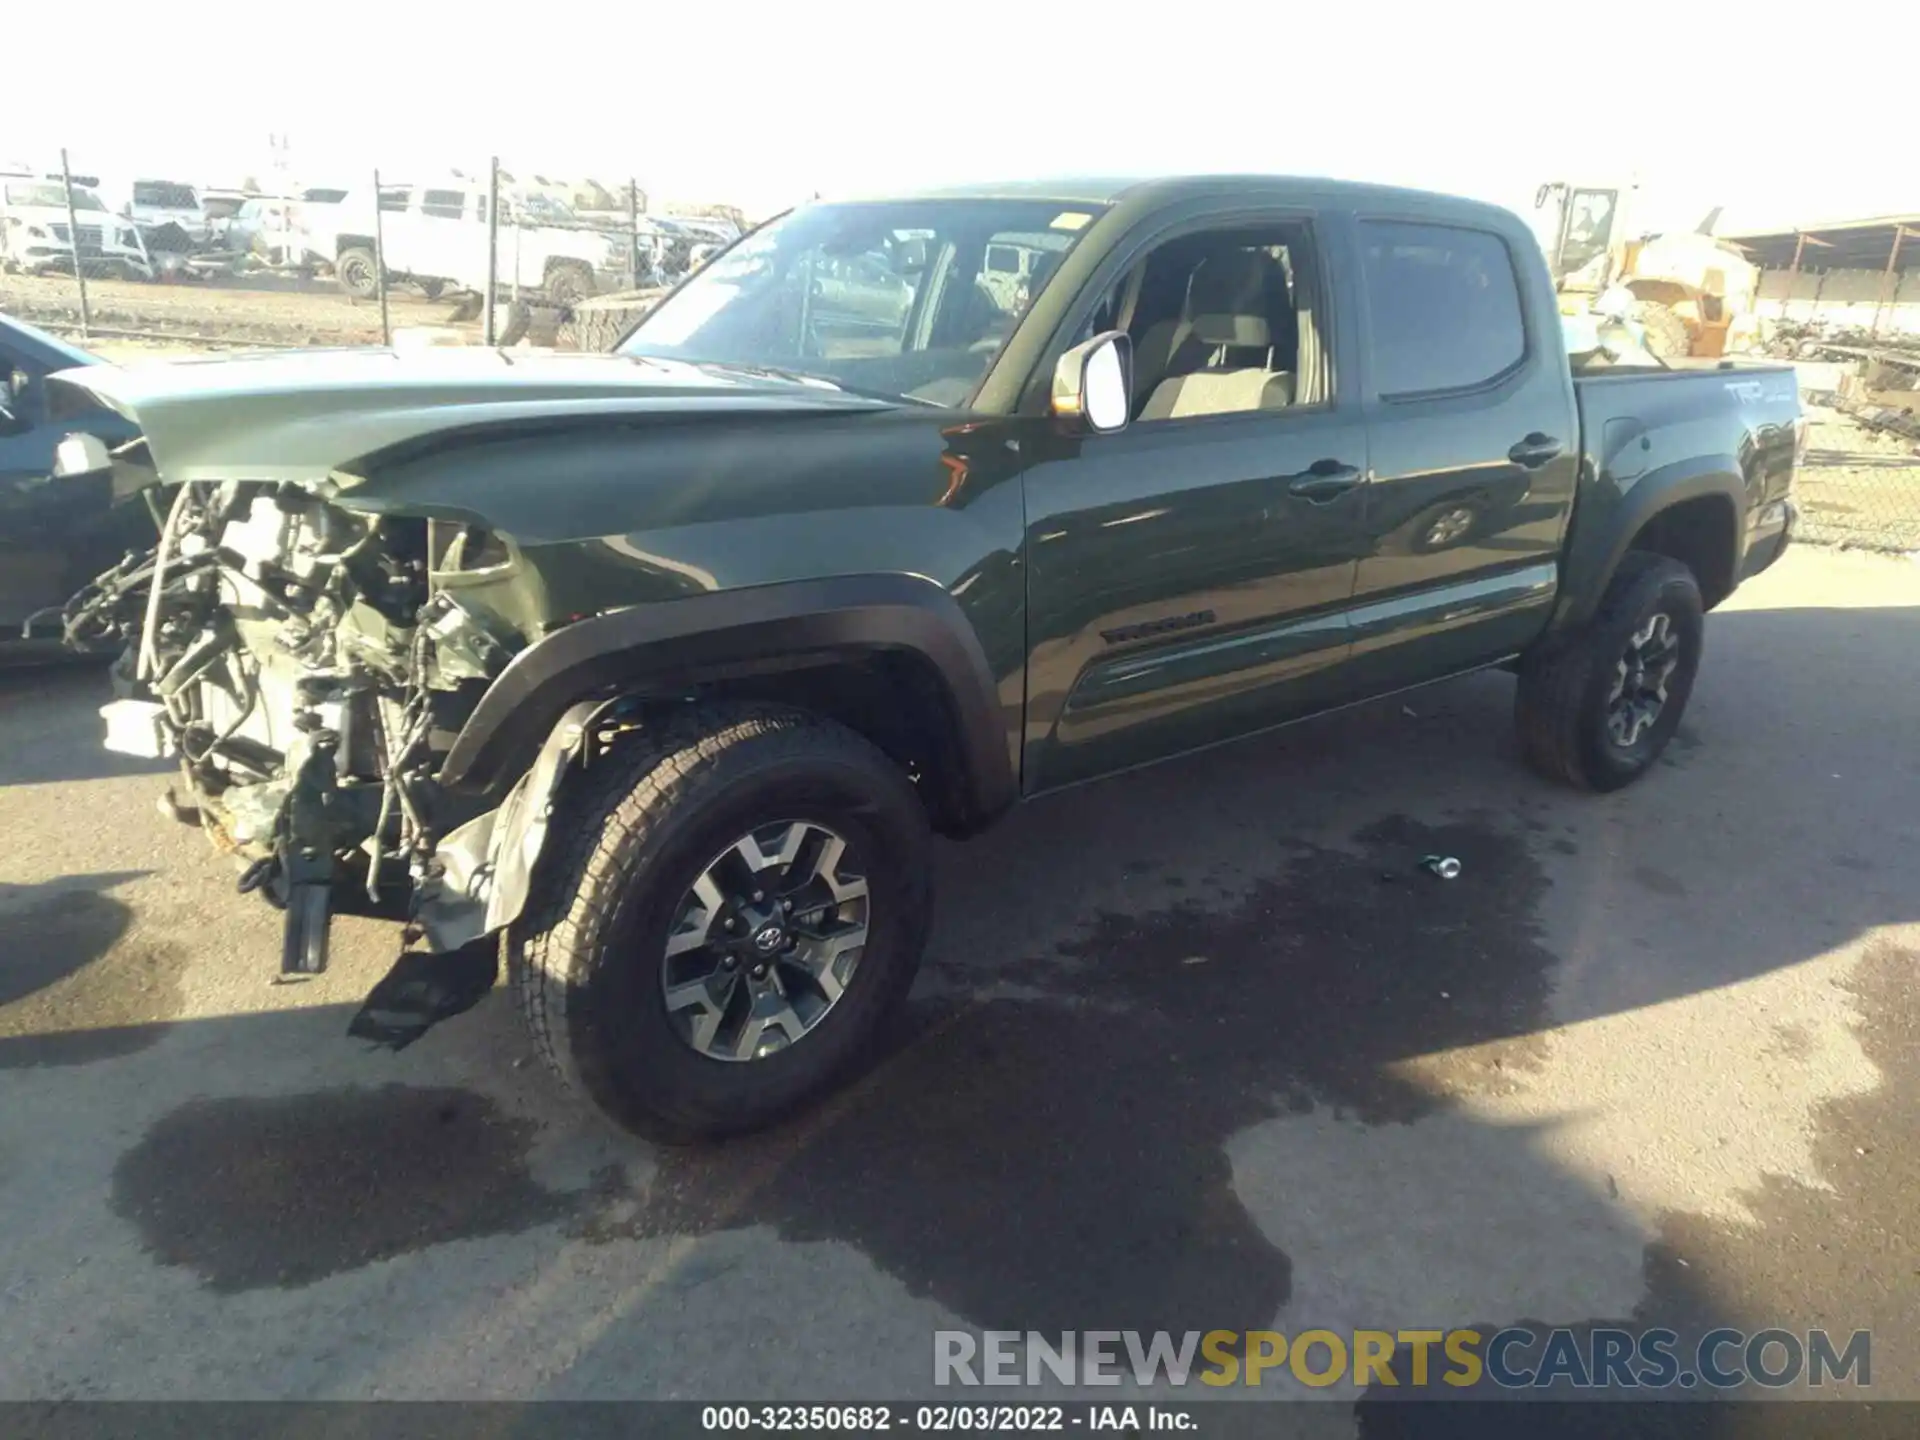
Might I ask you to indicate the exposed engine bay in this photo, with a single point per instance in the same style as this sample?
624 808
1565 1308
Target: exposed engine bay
301 663
352 552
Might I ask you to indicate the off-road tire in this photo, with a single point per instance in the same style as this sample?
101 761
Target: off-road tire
357 273
631 835
519 320
1561 707
568 283
595 326
1667 335
598 331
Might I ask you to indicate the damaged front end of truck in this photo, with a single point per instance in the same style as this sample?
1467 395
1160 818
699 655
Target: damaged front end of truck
308 643
307 666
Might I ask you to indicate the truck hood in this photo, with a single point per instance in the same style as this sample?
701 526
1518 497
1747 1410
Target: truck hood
311 417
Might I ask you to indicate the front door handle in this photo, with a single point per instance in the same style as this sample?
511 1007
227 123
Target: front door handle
1322 481
1536 450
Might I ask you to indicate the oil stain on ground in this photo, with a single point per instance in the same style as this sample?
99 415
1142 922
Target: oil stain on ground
1051 1163
1055 1164
75 987
251 1193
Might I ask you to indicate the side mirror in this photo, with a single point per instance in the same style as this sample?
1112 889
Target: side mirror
1093 383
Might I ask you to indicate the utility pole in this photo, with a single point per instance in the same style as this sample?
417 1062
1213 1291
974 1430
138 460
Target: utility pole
493 245
73 233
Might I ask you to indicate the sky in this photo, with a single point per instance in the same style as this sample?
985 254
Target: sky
763 105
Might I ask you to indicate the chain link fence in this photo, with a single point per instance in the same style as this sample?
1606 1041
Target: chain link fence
490 255
1859 484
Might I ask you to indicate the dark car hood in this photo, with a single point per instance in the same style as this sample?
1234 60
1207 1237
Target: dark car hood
312 416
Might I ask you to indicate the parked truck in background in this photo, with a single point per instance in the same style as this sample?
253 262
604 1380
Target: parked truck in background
656 671
151 203
437 236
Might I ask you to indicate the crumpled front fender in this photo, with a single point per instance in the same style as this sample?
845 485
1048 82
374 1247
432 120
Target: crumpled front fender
486 865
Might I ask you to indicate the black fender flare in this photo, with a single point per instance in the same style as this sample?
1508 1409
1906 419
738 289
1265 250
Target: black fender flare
667 648
1601 533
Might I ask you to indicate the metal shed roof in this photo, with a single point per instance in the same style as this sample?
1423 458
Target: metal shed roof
1836 245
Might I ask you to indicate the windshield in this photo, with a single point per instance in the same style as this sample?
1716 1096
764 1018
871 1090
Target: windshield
51 197
165 195
911 297
545 207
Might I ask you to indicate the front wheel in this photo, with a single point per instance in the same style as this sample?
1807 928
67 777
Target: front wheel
735 914
1598 707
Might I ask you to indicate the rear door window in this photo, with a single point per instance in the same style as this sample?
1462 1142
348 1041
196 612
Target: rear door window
1443 308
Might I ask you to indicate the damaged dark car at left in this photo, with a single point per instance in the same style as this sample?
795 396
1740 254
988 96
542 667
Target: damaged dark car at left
53 537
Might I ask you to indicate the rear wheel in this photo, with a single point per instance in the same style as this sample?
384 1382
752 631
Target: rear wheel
357 273
738 914
1598 708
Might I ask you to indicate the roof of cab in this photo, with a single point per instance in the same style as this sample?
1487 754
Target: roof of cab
1162 189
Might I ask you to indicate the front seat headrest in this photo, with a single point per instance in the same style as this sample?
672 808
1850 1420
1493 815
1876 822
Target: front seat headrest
1227 299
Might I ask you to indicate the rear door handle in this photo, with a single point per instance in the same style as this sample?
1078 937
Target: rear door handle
1536 450
1322 481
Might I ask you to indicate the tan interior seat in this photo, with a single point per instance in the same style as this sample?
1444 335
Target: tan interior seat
1225 310
1218 392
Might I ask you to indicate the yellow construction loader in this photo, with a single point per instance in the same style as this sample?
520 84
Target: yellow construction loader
1686 292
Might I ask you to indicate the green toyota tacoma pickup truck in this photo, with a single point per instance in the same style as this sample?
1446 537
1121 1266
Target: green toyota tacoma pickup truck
656 671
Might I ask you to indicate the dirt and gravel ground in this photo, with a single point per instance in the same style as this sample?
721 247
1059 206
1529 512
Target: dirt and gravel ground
209 314
1196 1048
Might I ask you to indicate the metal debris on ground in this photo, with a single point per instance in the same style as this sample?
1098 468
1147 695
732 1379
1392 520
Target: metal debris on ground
1445 866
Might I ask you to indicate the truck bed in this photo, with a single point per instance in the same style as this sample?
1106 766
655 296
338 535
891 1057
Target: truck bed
1635 421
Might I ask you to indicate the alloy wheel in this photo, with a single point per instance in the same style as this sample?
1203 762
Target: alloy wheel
1640 679
765 941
